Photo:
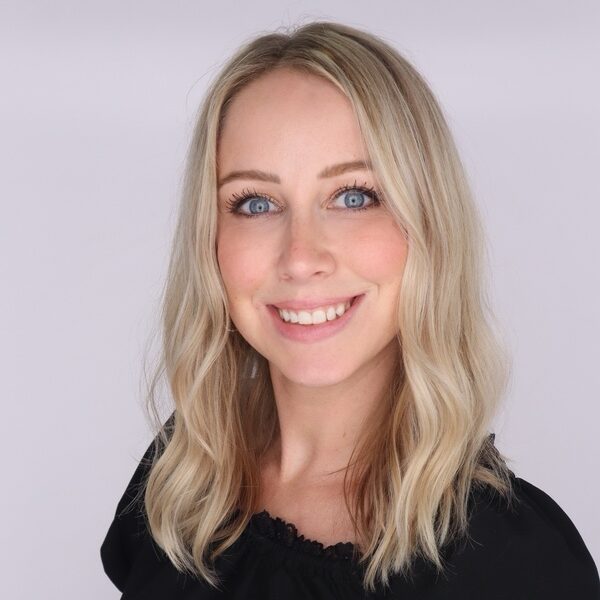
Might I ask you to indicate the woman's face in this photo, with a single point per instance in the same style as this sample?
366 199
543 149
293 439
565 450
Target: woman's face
310 244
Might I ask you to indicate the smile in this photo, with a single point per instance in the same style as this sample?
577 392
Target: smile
317 315
316 324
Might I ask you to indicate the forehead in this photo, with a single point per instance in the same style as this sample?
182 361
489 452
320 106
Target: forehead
289 115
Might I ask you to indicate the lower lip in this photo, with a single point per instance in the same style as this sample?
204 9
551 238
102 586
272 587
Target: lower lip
313 333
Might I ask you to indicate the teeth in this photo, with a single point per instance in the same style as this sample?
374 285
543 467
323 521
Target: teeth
316 316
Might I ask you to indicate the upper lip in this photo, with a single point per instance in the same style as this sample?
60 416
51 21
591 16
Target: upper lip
310 303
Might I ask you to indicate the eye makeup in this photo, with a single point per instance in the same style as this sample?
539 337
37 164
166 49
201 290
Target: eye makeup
235 202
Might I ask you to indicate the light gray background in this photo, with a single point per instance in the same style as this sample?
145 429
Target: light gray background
97 104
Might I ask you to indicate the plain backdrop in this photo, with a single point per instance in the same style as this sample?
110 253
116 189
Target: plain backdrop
97 105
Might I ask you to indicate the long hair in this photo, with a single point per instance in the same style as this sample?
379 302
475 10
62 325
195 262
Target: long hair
408 482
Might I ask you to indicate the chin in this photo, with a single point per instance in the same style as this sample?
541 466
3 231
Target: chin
314 375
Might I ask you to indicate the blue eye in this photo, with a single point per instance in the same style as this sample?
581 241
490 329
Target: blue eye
256 205
354 198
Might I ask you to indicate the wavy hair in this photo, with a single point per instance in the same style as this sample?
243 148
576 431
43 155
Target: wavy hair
408 482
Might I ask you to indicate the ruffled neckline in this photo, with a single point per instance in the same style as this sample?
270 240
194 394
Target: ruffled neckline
284 533
278 530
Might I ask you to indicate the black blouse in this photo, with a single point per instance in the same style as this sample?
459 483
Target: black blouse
532 551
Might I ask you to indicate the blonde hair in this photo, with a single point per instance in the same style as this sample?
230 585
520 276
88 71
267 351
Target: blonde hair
427 447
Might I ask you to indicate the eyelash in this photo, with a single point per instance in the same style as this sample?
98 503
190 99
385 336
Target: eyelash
237 200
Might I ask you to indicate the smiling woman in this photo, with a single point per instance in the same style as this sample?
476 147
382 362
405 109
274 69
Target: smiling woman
330 356
308 240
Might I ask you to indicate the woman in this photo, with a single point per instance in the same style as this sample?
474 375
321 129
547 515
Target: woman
331 360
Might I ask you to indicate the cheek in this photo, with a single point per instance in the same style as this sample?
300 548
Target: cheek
379 254
242 264
375 251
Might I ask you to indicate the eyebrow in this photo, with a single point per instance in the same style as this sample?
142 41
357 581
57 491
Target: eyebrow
330 171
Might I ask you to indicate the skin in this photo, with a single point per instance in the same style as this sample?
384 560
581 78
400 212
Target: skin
308 244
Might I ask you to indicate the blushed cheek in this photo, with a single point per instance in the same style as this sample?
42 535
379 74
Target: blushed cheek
380 255
242 267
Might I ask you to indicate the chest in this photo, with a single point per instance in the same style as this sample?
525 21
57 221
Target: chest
318 511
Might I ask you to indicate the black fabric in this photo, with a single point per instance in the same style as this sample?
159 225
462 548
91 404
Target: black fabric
529 552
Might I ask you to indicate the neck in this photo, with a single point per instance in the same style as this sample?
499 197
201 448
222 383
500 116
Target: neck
320 427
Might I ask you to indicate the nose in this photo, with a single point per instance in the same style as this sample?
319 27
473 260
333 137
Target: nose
305 251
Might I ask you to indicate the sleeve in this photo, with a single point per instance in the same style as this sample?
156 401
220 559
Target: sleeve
128 531
559 558
529 551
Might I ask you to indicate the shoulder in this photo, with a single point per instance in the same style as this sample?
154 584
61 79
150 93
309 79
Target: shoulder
529 547
128 536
